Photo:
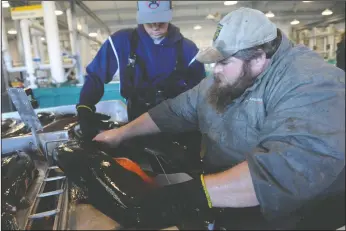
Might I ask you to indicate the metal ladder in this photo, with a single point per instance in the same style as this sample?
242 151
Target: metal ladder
59 211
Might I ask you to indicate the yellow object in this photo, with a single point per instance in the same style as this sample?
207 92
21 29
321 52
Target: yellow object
26 8
206 192
17 84
24 12
84 107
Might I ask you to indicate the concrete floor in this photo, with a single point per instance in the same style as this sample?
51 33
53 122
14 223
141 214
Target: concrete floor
86 217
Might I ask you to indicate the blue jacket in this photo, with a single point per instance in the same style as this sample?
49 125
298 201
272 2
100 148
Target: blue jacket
159 60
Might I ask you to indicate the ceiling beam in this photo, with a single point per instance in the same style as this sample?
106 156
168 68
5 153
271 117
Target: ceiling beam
280 16
92 15
214 6
333 19
207 5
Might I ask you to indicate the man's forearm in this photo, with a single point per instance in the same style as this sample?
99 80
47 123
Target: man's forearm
232 188
143 125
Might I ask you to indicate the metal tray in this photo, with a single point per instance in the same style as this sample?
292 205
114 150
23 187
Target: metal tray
68 216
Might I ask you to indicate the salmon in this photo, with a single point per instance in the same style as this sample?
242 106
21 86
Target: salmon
110 185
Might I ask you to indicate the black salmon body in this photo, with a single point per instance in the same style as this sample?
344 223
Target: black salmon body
111 188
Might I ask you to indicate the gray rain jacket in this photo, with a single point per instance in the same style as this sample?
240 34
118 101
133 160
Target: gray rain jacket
289 126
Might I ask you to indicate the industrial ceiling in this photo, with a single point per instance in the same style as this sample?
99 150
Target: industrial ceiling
110 16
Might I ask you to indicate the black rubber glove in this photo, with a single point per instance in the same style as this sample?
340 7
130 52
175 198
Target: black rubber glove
172 205
91 122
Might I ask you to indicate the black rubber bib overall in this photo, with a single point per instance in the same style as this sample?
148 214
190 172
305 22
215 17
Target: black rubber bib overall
140 100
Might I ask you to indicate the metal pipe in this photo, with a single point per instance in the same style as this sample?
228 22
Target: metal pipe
41 50
24 25
19 41
72 27
35 45
93 15
37 27
53 43
88 37
48 66
84 45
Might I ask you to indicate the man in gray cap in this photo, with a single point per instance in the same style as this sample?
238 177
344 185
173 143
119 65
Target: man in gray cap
273 120
154 62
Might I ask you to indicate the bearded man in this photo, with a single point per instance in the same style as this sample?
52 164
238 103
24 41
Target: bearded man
273 125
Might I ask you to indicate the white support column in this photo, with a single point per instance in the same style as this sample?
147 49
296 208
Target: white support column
70 28
53 43
41 49
85 46
74 37
331 41
29 63
35 35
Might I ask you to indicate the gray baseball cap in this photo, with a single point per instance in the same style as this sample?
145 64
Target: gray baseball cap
240 29
154 11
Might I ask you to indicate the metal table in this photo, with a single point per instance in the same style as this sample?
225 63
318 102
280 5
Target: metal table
51 183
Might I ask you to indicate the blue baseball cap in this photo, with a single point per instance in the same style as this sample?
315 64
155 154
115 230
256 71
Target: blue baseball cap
154 11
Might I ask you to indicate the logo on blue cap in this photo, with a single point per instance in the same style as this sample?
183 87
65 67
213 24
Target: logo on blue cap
153 4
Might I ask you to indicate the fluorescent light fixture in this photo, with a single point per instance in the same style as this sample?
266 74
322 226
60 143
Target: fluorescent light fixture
43 39
307 1
229 3
270 14
197 27
5 4
327 12
58 12
12 31
93 34
295 22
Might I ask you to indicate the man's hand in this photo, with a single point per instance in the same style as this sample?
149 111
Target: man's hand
90 122
112 138
141 126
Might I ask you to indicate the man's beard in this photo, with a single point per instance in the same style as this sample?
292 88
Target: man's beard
219 97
